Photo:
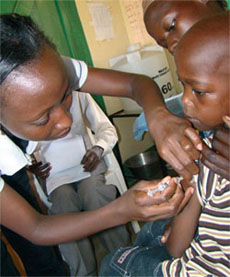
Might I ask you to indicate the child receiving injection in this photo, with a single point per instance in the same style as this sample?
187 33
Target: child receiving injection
197 242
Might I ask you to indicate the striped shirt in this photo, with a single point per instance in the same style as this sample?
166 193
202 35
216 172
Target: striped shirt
209 252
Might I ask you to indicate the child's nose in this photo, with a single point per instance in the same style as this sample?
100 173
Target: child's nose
186 99
172 44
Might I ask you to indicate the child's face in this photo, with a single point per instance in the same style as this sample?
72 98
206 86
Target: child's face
167 21
206 87
38 99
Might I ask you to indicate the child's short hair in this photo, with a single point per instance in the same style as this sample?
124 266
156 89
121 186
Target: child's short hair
223 4
21 41
212 34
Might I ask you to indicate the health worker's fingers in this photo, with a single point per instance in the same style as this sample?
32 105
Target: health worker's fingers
166 232
194 138
217 163
187 196
226 120
221 142
182 164
141 190
167 208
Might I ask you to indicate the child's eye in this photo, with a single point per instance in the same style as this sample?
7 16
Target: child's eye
172 26
198 91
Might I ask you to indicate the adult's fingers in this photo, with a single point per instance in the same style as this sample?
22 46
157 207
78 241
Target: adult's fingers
221 142
142 188
164 210
187 196
194 138
184 165
217 163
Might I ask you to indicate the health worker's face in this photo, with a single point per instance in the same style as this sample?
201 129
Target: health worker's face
206 90
38 100
167 21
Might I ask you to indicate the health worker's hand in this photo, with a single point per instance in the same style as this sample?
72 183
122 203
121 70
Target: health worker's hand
217 159
40 170
92 158
177 142
136 204
166 232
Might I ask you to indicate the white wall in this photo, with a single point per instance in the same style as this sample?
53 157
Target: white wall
109 39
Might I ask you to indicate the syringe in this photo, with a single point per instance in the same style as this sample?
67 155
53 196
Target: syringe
161 186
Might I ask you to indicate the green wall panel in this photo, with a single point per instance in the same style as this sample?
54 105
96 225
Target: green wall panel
60 21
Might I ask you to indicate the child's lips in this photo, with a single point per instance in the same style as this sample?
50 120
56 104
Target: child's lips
195 122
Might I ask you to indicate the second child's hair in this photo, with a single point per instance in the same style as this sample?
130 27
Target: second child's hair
223 4
21 41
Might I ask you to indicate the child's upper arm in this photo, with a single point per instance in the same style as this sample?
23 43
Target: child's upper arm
183 228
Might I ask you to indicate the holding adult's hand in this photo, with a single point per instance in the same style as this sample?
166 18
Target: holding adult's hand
217 159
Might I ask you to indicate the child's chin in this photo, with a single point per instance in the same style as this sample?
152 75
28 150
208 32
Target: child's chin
201 127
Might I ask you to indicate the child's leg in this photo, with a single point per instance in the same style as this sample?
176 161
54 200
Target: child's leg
78 254
143 259
150 234
95 194
135 261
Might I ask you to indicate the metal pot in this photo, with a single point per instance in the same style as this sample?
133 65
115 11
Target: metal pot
145 165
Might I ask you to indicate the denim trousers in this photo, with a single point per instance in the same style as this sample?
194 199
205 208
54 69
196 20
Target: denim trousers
144 258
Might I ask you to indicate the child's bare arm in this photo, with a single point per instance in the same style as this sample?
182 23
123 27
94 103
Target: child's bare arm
183 228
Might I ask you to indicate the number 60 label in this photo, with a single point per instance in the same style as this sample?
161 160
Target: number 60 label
166 88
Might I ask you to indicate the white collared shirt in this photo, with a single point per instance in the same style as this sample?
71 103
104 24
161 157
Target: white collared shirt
12 158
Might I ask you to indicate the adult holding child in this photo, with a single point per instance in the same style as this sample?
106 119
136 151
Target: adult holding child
167 22
196 242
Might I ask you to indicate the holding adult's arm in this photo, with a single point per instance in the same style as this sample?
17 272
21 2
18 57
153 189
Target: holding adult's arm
166 129
19 216
217 159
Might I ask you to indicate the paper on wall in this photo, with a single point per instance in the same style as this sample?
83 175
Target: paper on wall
101 21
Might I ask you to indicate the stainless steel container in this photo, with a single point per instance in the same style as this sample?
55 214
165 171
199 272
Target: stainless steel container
145 166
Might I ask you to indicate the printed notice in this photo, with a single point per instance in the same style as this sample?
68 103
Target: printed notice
101 21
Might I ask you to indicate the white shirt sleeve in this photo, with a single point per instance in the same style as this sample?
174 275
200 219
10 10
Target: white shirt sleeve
78 72
104 132
1 184
12 159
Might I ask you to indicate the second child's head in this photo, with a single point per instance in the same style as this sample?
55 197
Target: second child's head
202 60
168 20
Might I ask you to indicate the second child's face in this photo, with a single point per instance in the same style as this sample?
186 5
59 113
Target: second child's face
206 91
167 21
38 101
